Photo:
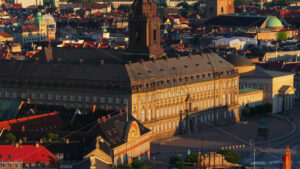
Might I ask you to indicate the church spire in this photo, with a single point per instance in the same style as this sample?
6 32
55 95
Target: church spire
144 31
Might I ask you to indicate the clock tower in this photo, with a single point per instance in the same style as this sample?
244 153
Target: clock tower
144 31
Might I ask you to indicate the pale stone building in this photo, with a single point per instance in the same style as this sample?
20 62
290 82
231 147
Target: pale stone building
250 97
278 87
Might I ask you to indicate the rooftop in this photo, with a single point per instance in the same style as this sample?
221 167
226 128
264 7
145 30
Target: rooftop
247 90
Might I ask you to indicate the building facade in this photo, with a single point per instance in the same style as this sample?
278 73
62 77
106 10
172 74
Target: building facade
215 8
250 97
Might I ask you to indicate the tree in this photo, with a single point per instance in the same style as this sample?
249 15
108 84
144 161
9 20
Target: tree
138 164
180 165
125 166
246 112
10 138
52 136
124 8
282 36
162 4
174 159
231 156
191 158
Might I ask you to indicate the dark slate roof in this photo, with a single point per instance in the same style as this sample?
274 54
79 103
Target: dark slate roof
238 60
260 72
187 65
113 129
237 20
49 71
73 55
113 69
86 164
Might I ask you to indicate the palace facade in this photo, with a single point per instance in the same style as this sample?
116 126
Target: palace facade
167 95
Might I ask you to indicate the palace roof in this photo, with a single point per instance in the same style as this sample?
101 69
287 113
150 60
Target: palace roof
238 20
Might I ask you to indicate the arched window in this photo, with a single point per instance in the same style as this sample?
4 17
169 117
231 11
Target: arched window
143 115
222 10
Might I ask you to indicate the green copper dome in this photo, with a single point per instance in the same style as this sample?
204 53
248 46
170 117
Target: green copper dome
273 22
39 18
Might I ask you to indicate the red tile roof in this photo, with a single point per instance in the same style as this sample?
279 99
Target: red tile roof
7 124
29 28
4 34
27 154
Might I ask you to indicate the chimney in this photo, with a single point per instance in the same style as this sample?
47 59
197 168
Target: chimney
103 119
37 145
80 61
106 108
17 145
129 62
178 56
190 55
142 61
101 62
108 116
58 60
37 60
121 112
166 58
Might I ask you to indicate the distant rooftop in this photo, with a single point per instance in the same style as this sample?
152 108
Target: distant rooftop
247 90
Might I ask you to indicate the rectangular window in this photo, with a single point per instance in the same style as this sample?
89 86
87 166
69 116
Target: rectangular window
50 97
110 100
87 98
125 101
72 98
118 100
7 94
65 98
95 99
102 99
15 95
24 95
57 97
79 98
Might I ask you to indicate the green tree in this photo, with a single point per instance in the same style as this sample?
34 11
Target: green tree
124 8
10 138
246 111
174 159
162 4
125 166
231 156
282 36
138 164
180 165
268 108
52 136
191 158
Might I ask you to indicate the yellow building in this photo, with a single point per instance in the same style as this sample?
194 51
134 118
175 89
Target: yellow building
5 37
278 87
250 97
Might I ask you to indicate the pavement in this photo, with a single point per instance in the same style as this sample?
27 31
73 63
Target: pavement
236 136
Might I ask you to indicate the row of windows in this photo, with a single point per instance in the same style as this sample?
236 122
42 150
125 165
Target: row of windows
202 105
57 97
182 91
165 126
